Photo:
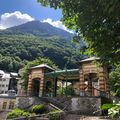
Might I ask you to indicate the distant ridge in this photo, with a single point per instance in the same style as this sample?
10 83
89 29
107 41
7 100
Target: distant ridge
38 28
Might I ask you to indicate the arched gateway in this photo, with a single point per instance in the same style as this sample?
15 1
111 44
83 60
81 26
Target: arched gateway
93 79
37 83
88 80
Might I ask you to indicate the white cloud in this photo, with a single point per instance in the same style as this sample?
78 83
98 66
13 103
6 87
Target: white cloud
14 19
18 18
57 24
1 27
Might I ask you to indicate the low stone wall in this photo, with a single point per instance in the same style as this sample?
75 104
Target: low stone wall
86 105
5 103
25 102
78 105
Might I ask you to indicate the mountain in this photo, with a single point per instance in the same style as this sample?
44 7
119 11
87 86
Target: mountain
34 39
38 28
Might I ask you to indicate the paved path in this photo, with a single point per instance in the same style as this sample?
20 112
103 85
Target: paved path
78 117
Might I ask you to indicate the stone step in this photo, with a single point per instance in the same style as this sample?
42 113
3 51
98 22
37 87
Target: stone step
41 118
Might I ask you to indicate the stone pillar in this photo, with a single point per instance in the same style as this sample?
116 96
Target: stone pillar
29 91
107 87
41 87
44 87
82 85
90 85
102 82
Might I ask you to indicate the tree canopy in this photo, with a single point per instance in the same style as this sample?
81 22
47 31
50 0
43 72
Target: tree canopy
96 21
16 50
114 81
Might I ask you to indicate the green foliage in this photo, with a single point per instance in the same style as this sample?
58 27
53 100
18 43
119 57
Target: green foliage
39 109
55 115
60 91
113 109
16 50
26 68
117 91
17 113
10 63
96 21
114 81
114 112
107 106
66 91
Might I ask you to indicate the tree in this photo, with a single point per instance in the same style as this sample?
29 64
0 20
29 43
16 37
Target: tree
16 50
97 21
114 80
114 83
10 63
24 72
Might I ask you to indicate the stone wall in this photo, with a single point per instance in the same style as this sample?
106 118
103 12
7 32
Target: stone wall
25 102
86 105
7 103
79 105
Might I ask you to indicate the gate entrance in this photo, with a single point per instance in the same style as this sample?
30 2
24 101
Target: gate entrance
36 87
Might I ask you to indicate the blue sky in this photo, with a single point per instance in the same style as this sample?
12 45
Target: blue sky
16 12
31 7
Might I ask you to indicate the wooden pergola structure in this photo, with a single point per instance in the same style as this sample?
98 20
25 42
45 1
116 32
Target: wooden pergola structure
89 80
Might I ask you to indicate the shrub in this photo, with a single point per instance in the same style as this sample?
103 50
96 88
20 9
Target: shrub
17 113
113 109
66 91
55 115
69 91
114 112
39 109
106 106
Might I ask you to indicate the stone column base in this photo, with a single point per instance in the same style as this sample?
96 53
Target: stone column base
40 94
82 93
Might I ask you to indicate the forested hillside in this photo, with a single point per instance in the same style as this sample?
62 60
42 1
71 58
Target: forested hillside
23 43
15 50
